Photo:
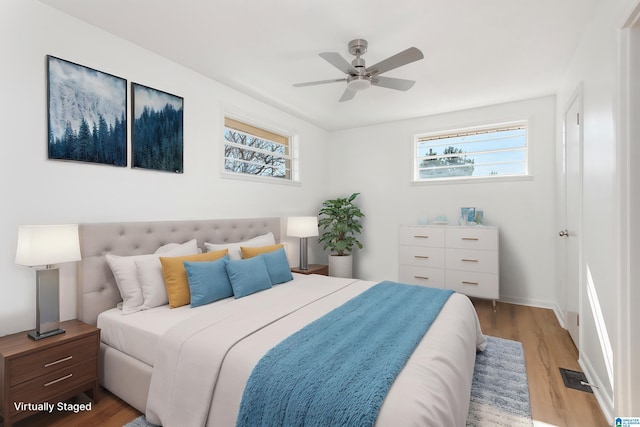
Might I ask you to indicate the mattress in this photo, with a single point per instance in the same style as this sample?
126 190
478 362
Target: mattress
137 334
203 357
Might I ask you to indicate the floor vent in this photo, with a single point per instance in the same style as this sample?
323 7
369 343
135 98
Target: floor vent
574 380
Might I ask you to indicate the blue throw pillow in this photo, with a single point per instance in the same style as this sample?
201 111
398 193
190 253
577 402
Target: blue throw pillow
248 276
208 281
277 266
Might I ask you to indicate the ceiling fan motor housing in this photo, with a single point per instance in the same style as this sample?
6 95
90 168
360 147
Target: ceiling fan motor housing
358 47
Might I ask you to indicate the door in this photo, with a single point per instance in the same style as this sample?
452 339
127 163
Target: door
573 195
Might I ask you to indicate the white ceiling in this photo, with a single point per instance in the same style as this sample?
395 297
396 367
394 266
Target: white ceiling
477 52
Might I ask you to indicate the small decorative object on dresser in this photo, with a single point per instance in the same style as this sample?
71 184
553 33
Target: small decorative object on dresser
464 259
38 373
322 269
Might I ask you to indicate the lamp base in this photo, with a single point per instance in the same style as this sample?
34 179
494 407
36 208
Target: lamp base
304 263
34 335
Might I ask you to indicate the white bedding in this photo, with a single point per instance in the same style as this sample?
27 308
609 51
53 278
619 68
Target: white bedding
137 334
203 357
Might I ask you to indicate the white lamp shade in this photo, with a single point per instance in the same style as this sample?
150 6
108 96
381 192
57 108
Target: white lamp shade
40 245
302 226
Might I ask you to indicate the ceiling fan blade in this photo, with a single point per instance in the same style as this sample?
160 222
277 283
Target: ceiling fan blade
319 82
335 59
392 83
347 95
399 59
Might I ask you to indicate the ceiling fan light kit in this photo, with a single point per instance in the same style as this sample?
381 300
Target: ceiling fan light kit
358 83
360 77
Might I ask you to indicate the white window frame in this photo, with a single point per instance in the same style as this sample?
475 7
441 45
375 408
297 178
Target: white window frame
419 137
291 157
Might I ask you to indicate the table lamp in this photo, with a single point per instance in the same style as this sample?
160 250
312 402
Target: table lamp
42 246
302 227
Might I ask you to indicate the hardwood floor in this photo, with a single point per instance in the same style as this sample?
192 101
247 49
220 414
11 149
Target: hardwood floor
547 348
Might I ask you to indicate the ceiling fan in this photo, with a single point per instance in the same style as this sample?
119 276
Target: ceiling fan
359 77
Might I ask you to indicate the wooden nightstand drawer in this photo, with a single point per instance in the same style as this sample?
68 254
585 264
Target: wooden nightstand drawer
321 269
46 387
49 370
46 361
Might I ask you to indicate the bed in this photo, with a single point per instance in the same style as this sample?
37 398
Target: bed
140 352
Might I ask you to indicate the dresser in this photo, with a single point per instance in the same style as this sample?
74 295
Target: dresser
463 259
36 375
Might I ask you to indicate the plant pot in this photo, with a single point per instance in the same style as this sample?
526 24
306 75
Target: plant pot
341 266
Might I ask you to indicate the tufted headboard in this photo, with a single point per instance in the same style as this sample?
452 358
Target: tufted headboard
97 289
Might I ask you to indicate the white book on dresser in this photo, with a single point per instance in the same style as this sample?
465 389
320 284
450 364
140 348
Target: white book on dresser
463 259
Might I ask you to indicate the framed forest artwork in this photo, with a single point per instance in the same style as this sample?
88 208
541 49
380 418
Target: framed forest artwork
87 113
157 132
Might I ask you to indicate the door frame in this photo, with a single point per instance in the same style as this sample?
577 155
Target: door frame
626 372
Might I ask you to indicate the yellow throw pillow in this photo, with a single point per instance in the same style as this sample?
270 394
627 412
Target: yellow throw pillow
250 252
175 276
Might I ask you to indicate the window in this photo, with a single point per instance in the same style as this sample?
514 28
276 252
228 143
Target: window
485 152
254 151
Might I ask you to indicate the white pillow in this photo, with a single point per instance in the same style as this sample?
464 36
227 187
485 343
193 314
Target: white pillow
150 277
126 274
234 248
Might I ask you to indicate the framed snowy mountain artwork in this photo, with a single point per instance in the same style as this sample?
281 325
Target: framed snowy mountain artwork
87 114
157 131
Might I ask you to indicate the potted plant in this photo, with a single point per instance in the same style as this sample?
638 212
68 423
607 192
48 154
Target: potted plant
340 221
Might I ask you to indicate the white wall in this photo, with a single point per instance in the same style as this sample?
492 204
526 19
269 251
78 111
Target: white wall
377 162
595 64
35 190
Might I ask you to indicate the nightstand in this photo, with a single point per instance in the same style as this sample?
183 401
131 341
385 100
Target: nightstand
38 373
321 269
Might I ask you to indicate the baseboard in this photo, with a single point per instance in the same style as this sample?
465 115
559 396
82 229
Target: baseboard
528 302
605 399
560 316
539 304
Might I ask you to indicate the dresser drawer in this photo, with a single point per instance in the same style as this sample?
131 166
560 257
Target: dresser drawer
422 236
423 256
472 238
45 361
432 277
481 285
470 260
48 386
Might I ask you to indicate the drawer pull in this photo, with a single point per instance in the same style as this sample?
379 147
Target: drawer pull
469 283
470 238
64 359
421 237
58 380
421 277
469 260
421 256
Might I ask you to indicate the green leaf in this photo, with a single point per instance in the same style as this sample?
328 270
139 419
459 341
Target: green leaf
339 219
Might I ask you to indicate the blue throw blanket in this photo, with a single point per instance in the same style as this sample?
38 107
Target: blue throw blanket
337 370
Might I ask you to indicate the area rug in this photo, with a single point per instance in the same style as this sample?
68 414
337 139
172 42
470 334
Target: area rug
499 392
